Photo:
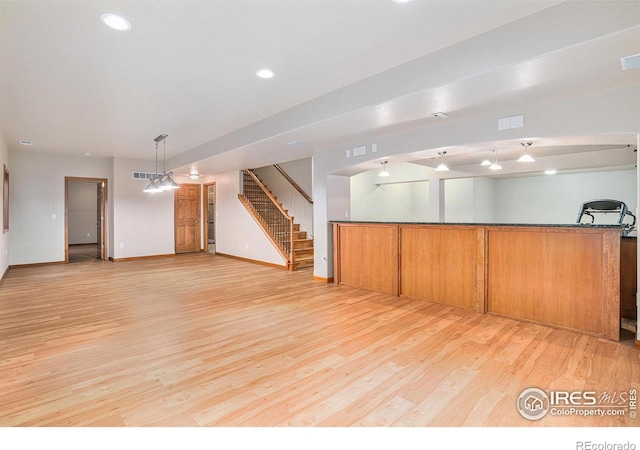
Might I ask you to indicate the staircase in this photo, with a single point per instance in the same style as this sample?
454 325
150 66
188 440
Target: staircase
302 248
276 222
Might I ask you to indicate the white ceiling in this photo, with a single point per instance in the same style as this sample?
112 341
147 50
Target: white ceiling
345 70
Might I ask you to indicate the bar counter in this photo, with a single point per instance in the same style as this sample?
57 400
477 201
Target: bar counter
565 276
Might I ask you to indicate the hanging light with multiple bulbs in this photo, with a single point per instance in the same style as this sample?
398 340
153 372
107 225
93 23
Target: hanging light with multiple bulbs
163 181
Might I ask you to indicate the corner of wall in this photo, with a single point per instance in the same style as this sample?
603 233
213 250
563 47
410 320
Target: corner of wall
4 240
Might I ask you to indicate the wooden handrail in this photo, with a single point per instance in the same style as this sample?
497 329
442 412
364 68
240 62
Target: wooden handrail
269 194
293 183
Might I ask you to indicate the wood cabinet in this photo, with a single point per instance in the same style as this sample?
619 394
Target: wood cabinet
567 277
443 265
555 276
368 257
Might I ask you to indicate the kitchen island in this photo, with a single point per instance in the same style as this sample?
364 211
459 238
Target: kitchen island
566 276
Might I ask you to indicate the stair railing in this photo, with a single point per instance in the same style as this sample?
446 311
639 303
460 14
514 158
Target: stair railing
293 183
266 210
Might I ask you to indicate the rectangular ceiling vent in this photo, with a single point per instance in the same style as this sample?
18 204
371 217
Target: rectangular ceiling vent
630 62
143 175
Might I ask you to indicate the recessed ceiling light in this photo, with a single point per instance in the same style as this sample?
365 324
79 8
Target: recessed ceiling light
440 115
87 153
550 172
116 22
265 73
26 143
401 1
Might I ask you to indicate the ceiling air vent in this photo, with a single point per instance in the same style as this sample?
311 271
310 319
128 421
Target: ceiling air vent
143 175
630 62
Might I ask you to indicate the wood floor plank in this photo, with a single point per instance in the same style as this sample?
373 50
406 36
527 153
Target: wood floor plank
202 340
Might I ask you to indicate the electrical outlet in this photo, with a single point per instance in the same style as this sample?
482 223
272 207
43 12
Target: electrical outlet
88 234
246 245
121 244
324 258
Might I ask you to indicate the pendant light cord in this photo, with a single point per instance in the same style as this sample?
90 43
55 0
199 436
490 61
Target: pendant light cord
156 174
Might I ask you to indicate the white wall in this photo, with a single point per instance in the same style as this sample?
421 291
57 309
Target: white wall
300 171
401 202
337 188
533 199
237 233
142 221
458 200
557 198
483 200
401 197
4 240
469 200
287 195
82 212
38 202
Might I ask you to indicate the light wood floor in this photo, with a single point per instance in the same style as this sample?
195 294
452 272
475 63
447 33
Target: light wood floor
206 340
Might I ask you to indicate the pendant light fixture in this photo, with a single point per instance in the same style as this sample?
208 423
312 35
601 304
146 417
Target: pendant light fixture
442 167
384 172
495 165
526 157
486 161
153 185
163 181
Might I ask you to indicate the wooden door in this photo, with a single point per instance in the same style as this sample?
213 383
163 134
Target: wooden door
187 218
99 219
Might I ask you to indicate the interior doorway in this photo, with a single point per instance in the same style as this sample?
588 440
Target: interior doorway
210 216
84 219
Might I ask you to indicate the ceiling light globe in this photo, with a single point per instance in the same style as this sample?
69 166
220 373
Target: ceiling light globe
265 73
116 22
